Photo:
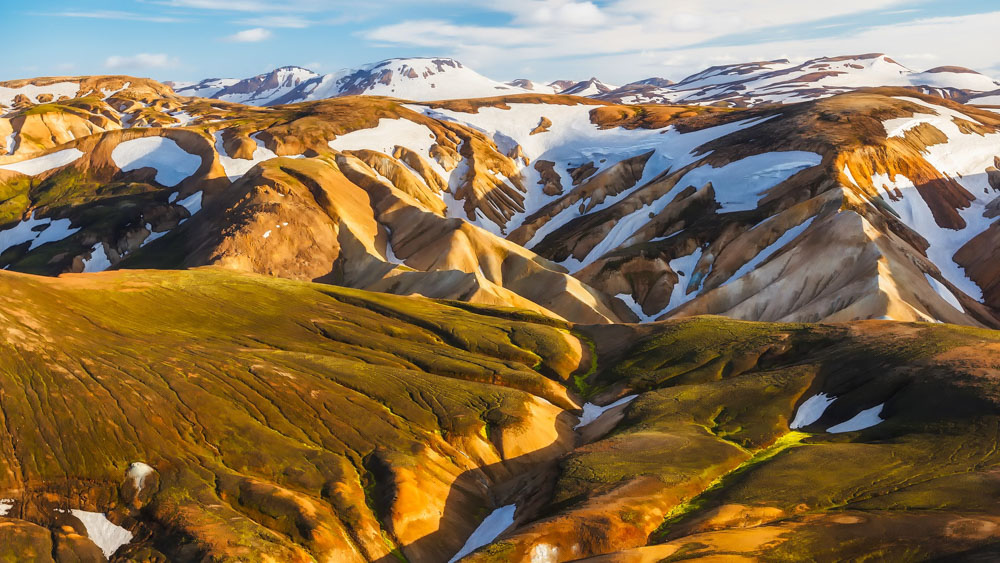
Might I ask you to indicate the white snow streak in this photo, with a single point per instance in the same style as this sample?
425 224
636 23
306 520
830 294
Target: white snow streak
592 412
811 410
864 419
491 527
51 161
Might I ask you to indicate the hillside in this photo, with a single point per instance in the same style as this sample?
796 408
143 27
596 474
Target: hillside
873 204
213 415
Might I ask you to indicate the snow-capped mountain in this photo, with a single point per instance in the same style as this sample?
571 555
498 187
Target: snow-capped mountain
260 90
537 87
588 88
740 85
781 81
418 79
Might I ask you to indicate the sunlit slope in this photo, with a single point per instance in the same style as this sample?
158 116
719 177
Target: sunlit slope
292 421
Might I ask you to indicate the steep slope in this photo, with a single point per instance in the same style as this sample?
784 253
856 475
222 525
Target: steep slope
225 417
208 414
873 204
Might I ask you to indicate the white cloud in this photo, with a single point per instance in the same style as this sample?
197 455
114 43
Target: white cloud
557 12
140 61
254 35
639 38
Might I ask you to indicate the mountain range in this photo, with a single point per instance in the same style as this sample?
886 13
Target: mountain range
737 85
408 313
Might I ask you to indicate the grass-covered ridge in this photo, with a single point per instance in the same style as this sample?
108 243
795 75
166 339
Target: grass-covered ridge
293 421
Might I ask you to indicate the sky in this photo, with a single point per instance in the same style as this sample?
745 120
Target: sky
617 41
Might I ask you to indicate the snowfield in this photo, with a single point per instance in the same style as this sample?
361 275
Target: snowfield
40 164
236 167
172 163
30 91
26 231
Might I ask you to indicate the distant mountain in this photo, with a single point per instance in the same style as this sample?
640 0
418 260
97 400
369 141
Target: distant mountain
588 88
418 79
260 90
533 86
781 81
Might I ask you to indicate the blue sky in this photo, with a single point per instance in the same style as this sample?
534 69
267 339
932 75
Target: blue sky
616 40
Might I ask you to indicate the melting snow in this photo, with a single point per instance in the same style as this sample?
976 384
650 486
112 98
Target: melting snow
945 293
635 307
31 91
152 236
236 167
26 231
138 472
108 536
5 505
944 243
787 237
267 234
491 527
98 261
172 163
684 268
40 164
11 142
810 410
738 185
864 419
192 203
592 412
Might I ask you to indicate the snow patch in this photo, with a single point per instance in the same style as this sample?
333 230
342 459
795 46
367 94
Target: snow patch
592 412
635 307
738 185
29 231
172 163
944 243
98 261
945 293
51 161
811 410
31 91
864 419
192 203
138 472
786 237
492 526
107 535
236 167
5 505
684 267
